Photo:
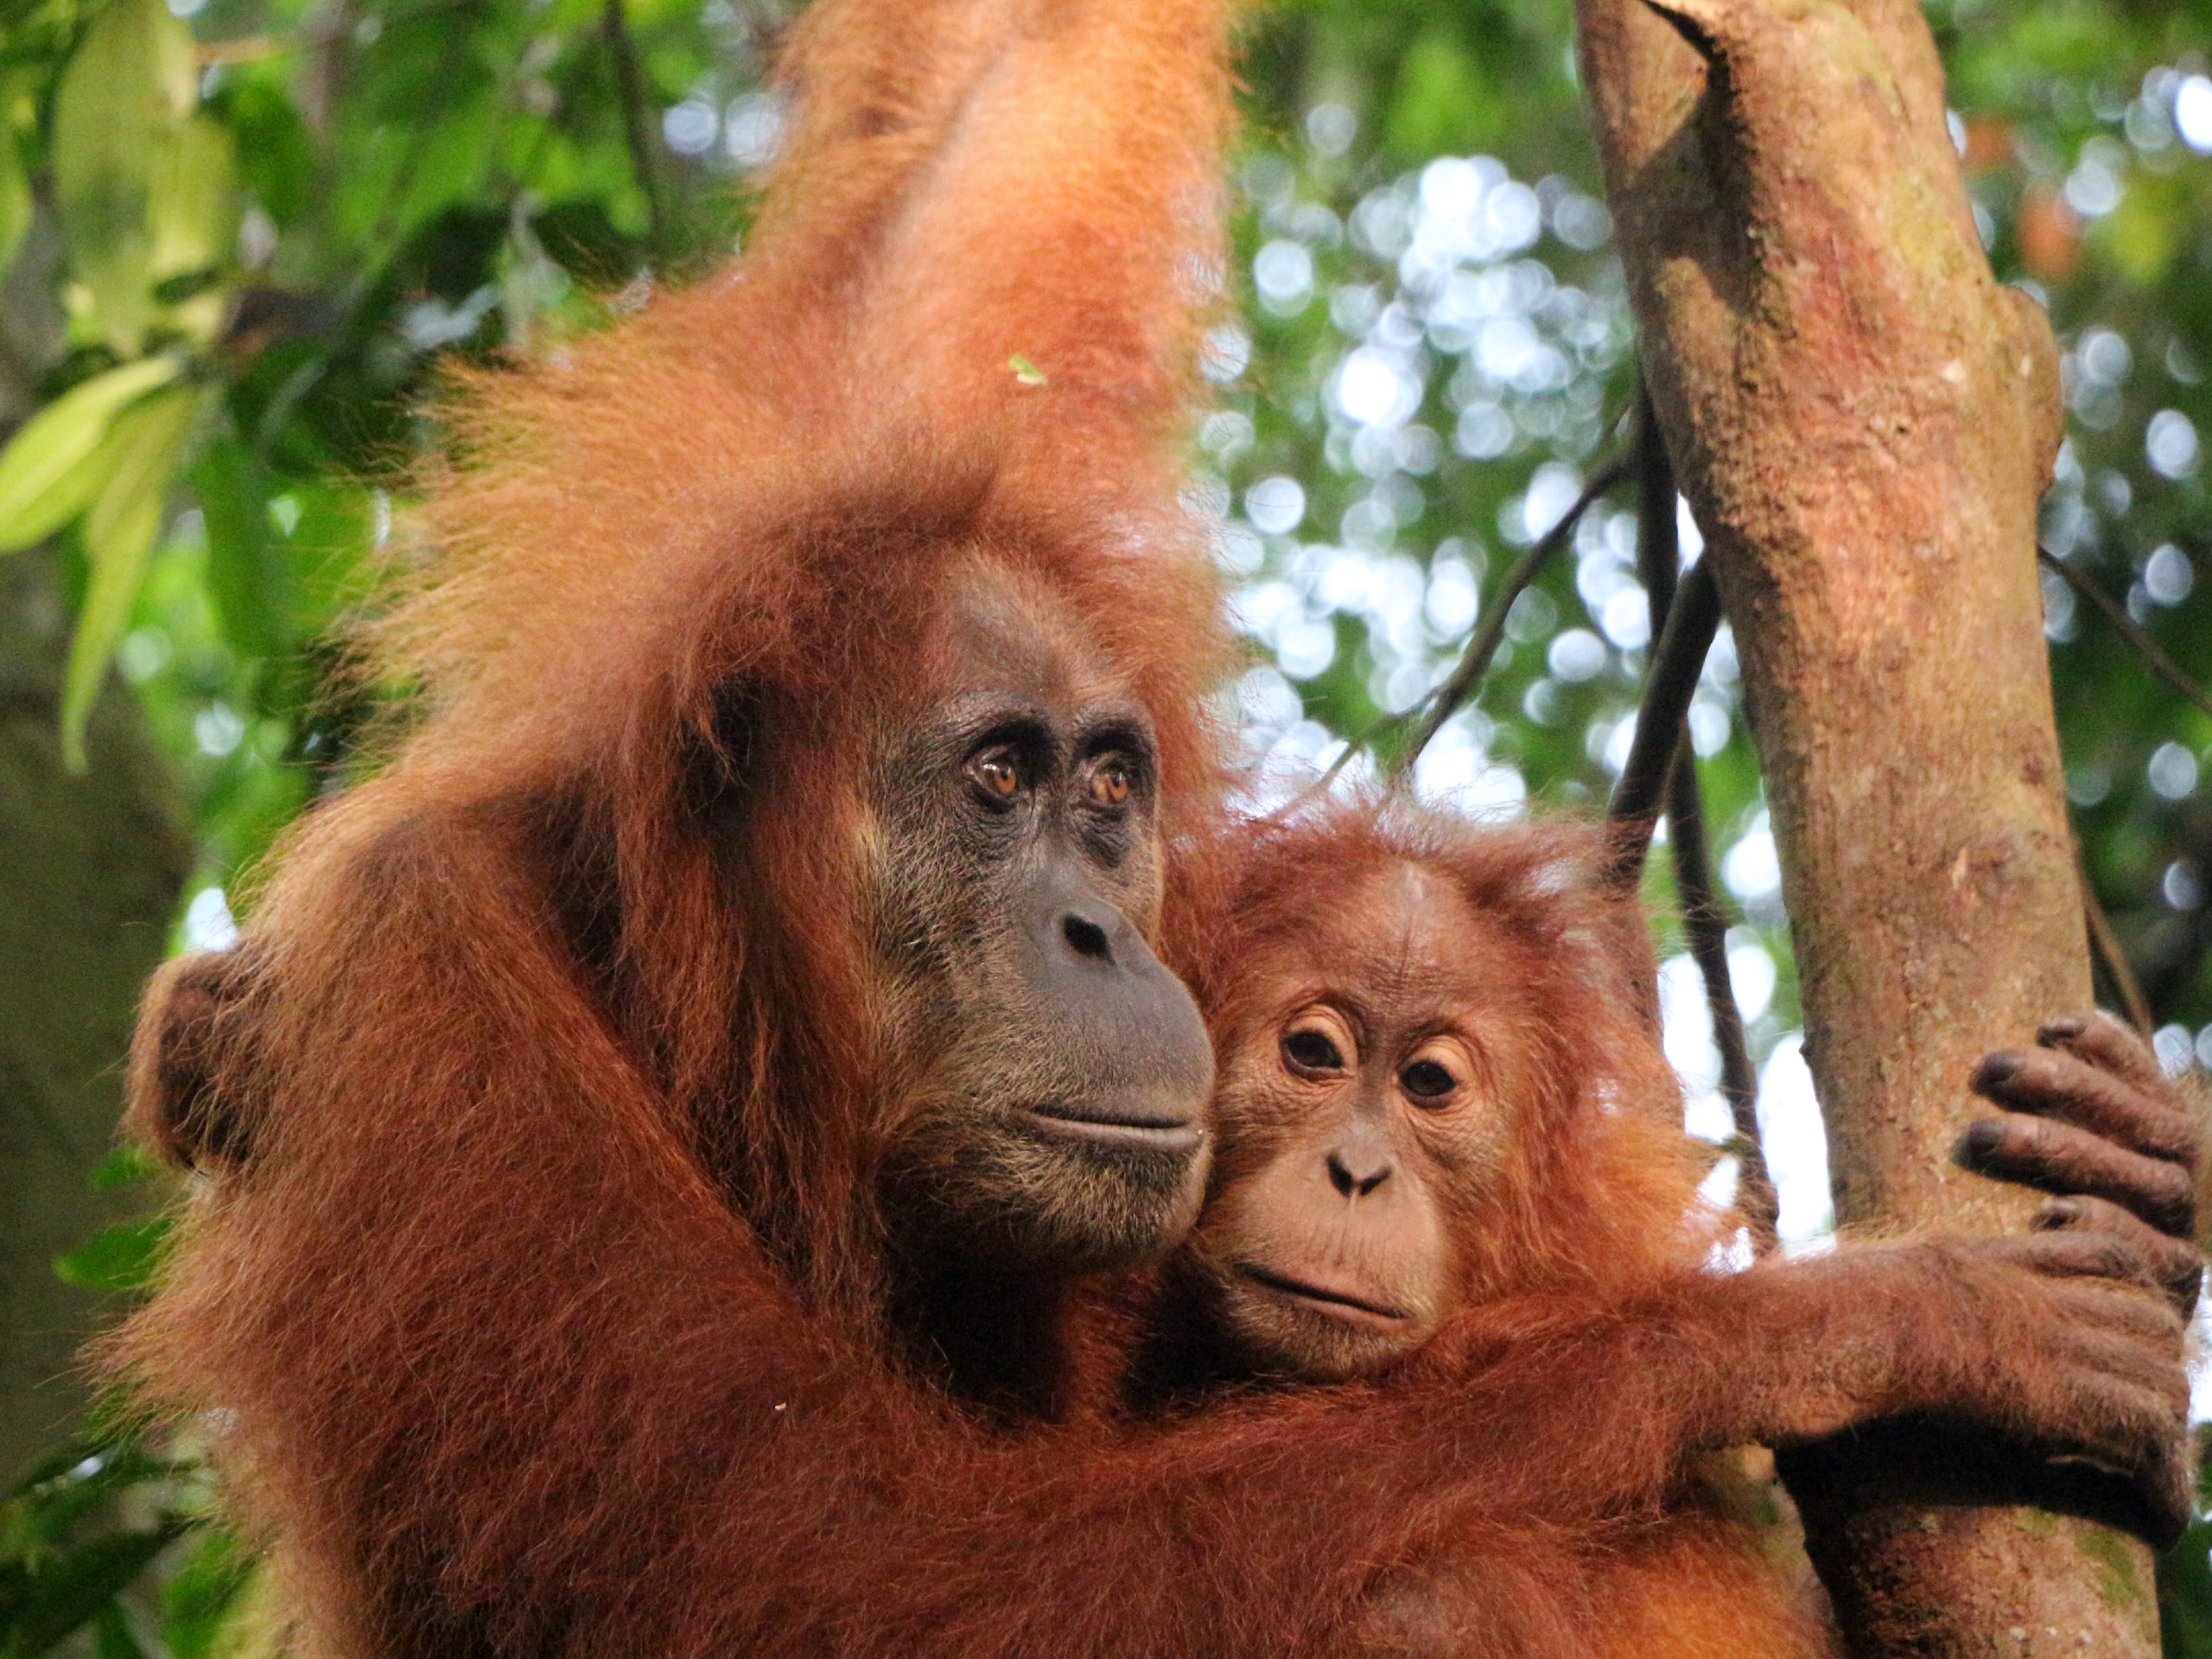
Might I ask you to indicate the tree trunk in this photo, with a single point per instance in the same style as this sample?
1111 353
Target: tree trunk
1863 420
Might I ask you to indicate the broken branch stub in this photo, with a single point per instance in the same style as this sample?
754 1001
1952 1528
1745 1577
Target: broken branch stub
1863 419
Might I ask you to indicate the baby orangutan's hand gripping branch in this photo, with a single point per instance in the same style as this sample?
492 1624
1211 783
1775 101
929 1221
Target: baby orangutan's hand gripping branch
2090 1118
2057 1343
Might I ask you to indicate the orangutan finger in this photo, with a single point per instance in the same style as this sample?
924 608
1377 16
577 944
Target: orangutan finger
2109 1046
2087 1254
2050 1083
2058 1157
2177 1266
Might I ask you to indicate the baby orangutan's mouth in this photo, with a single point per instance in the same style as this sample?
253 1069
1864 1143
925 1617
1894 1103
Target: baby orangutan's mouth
1328 1301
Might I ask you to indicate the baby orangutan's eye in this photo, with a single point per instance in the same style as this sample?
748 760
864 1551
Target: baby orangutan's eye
1428 1082
1438 1073
1309 1049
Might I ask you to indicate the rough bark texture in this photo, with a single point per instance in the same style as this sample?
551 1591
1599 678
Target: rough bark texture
1863 420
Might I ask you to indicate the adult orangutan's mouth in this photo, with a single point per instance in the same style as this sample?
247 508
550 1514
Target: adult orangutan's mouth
1119 1123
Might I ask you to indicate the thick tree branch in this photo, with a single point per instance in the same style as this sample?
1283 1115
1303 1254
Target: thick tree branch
1863 418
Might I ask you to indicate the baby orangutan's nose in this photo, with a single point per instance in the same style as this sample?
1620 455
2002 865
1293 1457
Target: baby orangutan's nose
1356 1171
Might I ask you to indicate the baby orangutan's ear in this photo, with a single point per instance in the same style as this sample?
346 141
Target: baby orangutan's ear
192 1093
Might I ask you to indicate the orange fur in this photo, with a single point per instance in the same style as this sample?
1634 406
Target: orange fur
547 1315
547 1203
1601 1193
1597 1198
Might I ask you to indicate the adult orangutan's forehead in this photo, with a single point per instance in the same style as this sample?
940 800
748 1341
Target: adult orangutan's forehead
1002 628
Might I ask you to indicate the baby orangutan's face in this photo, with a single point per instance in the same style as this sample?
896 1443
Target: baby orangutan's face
1362 1112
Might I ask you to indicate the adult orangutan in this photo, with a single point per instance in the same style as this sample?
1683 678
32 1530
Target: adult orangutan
1439 1111
661 1113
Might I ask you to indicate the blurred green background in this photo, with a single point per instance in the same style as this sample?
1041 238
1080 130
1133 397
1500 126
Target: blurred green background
239 237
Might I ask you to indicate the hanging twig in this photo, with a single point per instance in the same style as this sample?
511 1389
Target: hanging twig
629 85
2106 938
1658 538
1446 699
1440 704
2102 935
1668 685
1684 637
2116 613
1705 929
1632 812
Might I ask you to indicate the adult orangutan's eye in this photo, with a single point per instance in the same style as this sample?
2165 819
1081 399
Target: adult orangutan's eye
1110 781
997 773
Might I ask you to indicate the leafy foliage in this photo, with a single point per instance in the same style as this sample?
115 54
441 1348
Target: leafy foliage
254 227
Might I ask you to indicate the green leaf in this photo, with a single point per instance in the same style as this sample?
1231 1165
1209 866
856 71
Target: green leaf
2185 1596
54 1494
246 577
147 442
1025 372
118 1257
117 119
193 215
44 479
112 1638
200 1602
14 201
1443 104
277 157
125 1167
37 1609
79 1470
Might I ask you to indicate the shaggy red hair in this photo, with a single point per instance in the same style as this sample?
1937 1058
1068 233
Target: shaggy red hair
529 1163
544 1317
1598 1192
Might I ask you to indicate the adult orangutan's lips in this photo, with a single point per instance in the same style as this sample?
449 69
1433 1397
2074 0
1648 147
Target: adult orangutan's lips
1120 1124
1325 1299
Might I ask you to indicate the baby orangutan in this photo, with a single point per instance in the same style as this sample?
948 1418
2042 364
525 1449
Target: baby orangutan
1445 1131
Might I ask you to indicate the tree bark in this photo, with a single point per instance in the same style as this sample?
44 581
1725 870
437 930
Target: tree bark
1863 419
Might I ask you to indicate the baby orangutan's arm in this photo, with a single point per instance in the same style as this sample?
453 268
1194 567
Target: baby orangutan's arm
2019 1351
2090 1118
2056 1340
